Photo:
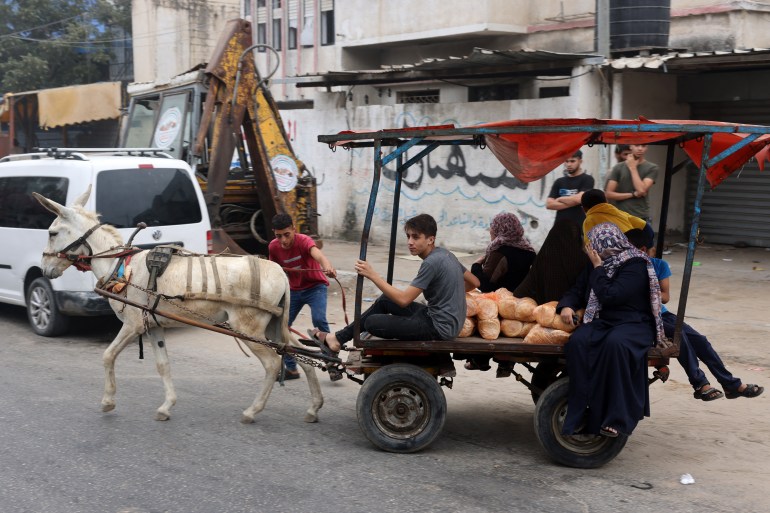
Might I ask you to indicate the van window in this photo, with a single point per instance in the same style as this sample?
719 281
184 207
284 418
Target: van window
19 209
158 197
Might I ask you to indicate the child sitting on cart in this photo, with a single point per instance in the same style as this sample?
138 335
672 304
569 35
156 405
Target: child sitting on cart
442 279
693 345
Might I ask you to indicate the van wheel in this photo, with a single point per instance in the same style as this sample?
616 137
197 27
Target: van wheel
401 408
43 314
578 451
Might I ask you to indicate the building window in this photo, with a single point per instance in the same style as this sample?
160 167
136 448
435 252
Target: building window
260 3
261 36
277 34
276 4
491 93
291 29
427 96
553 92
307 37
327 22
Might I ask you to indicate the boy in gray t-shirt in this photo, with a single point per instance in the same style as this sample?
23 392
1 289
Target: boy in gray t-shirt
442 279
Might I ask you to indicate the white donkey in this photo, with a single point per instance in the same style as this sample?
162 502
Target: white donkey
263 318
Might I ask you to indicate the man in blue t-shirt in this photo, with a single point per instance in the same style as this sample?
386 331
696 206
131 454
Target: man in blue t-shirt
693 345
567 190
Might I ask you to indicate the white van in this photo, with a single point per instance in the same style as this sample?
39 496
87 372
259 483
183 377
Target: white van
129 186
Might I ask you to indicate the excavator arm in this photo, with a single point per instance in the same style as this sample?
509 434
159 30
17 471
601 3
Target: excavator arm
239 109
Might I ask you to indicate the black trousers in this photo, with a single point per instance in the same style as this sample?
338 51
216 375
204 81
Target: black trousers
385 319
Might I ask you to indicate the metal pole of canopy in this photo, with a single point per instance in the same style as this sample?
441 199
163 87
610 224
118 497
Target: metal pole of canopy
693 241
365 237
666 200
394 219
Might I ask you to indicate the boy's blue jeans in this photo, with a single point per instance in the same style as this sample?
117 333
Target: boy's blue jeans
315 298
693 347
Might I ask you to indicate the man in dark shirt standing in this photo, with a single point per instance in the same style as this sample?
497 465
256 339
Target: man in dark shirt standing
568 190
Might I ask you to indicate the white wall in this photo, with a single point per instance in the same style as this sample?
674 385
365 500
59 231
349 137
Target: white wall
451 186
172 36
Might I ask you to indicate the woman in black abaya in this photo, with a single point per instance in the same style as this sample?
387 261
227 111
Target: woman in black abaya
607 353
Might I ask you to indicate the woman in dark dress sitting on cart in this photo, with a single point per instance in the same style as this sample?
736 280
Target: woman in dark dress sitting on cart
508 256
607 353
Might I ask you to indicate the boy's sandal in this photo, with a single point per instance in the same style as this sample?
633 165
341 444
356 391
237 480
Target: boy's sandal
319 338
609 432
751 390
473 364
708 395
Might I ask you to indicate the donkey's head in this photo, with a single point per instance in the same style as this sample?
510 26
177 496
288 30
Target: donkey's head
65 233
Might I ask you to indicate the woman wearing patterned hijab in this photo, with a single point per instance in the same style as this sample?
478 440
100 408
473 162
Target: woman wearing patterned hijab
607 353
507 258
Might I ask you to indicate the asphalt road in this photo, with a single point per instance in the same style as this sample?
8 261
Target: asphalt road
60 453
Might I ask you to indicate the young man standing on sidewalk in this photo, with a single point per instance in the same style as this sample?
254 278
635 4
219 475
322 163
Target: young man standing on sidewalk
566 191
305 266
629 183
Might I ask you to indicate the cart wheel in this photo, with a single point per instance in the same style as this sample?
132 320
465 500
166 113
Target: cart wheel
544 374
579 451
42 311
401 408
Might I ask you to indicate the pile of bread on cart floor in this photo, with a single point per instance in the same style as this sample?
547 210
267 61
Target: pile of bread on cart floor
499 313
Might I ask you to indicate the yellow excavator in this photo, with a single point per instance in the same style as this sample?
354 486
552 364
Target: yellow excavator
222 119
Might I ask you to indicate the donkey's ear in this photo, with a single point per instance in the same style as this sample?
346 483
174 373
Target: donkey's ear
81 200
49 204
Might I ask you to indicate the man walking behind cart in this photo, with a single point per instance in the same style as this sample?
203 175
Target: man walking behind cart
305 266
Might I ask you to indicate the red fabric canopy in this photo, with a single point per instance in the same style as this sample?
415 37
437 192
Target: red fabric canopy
530 156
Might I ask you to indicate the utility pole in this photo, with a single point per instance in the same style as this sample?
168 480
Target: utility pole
602 27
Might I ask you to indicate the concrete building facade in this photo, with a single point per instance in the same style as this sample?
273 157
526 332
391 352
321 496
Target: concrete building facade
364 64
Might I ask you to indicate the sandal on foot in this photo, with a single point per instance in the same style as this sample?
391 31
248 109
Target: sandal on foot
750 391
609 432
708 395
319 338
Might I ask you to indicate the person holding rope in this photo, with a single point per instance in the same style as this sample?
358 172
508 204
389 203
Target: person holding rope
307 268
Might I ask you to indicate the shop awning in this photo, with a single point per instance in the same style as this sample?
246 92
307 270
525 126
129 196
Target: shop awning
78 104
69 105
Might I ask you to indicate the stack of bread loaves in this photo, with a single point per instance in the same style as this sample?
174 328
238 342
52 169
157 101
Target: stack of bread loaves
500 312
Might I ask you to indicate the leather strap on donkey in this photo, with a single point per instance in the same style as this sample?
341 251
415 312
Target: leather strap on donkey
157 261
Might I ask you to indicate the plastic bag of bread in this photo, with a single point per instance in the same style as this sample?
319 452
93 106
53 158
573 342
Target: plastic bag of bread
540 335
468 327
487 308
503 293
511 327
472 305
545 313
525 309
507 307
527 328
489 329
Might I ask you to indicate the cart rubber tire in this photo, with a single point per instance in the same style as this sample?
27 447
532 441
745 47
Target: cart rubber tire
401 408
579 451
544 374
43 312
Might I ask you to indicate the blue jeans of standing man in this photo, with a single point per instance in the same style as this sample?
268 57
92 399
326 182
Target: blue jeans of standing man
315 298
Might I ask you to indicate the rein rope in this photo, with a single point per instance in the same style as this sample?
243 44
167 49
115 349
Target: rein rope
342 292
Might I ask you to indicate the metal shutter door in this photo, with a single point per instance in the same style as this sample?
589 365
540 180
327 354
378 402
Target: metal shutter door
738 210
